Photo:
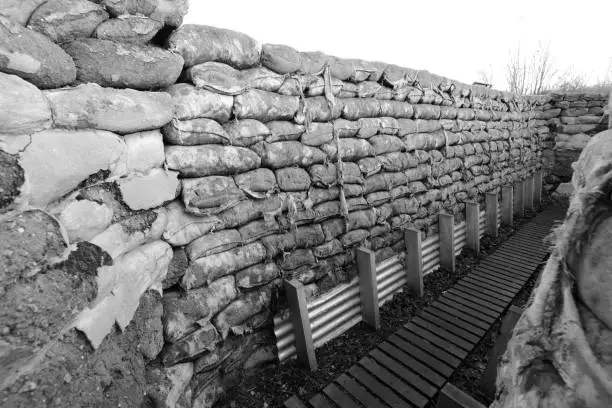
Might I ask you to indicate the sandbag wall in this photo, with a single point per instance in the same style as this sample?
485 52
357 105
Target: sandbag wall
158 183
573 119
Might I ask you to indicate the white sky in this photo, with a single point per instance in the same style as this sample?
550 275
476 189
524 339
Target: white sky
455 39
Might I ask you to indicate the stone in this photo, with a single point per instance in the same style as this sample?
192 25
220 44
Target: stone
184 227
23 107
145 151
120 287
57 160
182 312
19 11
33 57
84 219
170 12
145 191
65 20
129 29
118 110
132 232
192 346
123 65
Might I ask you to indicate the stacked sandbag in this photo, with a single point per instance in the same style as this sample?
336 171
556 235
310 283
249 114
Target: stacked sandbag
573 118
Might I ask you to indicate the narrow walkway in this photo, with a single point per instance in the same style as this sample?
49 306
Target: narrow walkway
413 365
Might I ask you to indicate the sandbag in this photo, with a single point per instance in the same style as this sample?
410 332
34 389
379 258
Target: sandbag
378 198
328 249
361 219
317 87
235 317
198 44
33 57
368 127
118 65
195 132
297 258
65 20
388 126
333 228
327 174
170 12
210 195
265 106
262 78
128 29
356 108
349 90
216 77
257 275
23 107
317 134
354 237
320 195
117 110
421 172
286 154
346 128
369 166
292 179
249 210
426 112
258 181
318 109
357 203
209 160
182 227
210 268
246 132
382 144
351 149
19 11
213 243
284 131
258 229
326 210
281 59
425 141
192 103
397 161
396 109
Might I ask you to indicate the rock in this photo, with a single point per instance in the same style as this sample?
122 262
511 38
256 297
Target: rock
84 219
145 151
120 287
131 232
183 312
183 227
56 161
33 57
11 181
170 12
166 385
118 110
65 20
141 192
19 10
192 346
176 269
121 65
23 107
129 29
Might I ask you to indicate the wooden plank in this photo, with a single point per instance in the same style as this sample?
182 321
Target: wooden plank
509 281
413 364
468 309
529 248
513 267
296 298
491 211
408 392
451 327
537 188
519 198
358 392
444 333
447 241
514 251
507 202
475 304
514 289
455 321
294 402
435 339
510 275
404 373
529 193
453 397
339 397
319 401
478 293
368 287
491 287
472 223
414 261
459 312
433 361
375 387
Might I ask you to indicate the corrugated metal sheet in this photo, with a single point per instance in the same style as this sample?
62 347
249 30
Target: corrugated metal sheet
340 309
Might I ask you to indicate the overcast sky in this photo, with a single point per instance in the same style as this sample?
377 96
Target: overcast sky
455 39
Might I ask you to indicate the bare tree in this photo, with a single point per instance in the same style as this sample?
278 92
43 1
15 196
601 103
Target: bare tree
571 81
532 74
485 76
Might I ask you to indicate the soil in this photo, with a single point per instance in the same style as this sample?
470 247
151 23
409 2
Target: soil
271 386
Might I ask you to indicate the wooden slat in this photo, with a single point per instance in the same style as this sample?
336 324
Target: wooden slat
425 337
453 397
468 307
408 392
359 392
376 388
401 371
476 304
294 402
413 364
517 269
450 327
319 401
505 272
489 289
296 298
442 334
526 252
493 282
456 321
461 288
339 397
490 276
423 356
461 313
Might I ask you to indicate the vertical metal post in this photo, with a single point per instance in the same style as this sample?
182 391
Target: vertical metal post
296 297
368 287
414 261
